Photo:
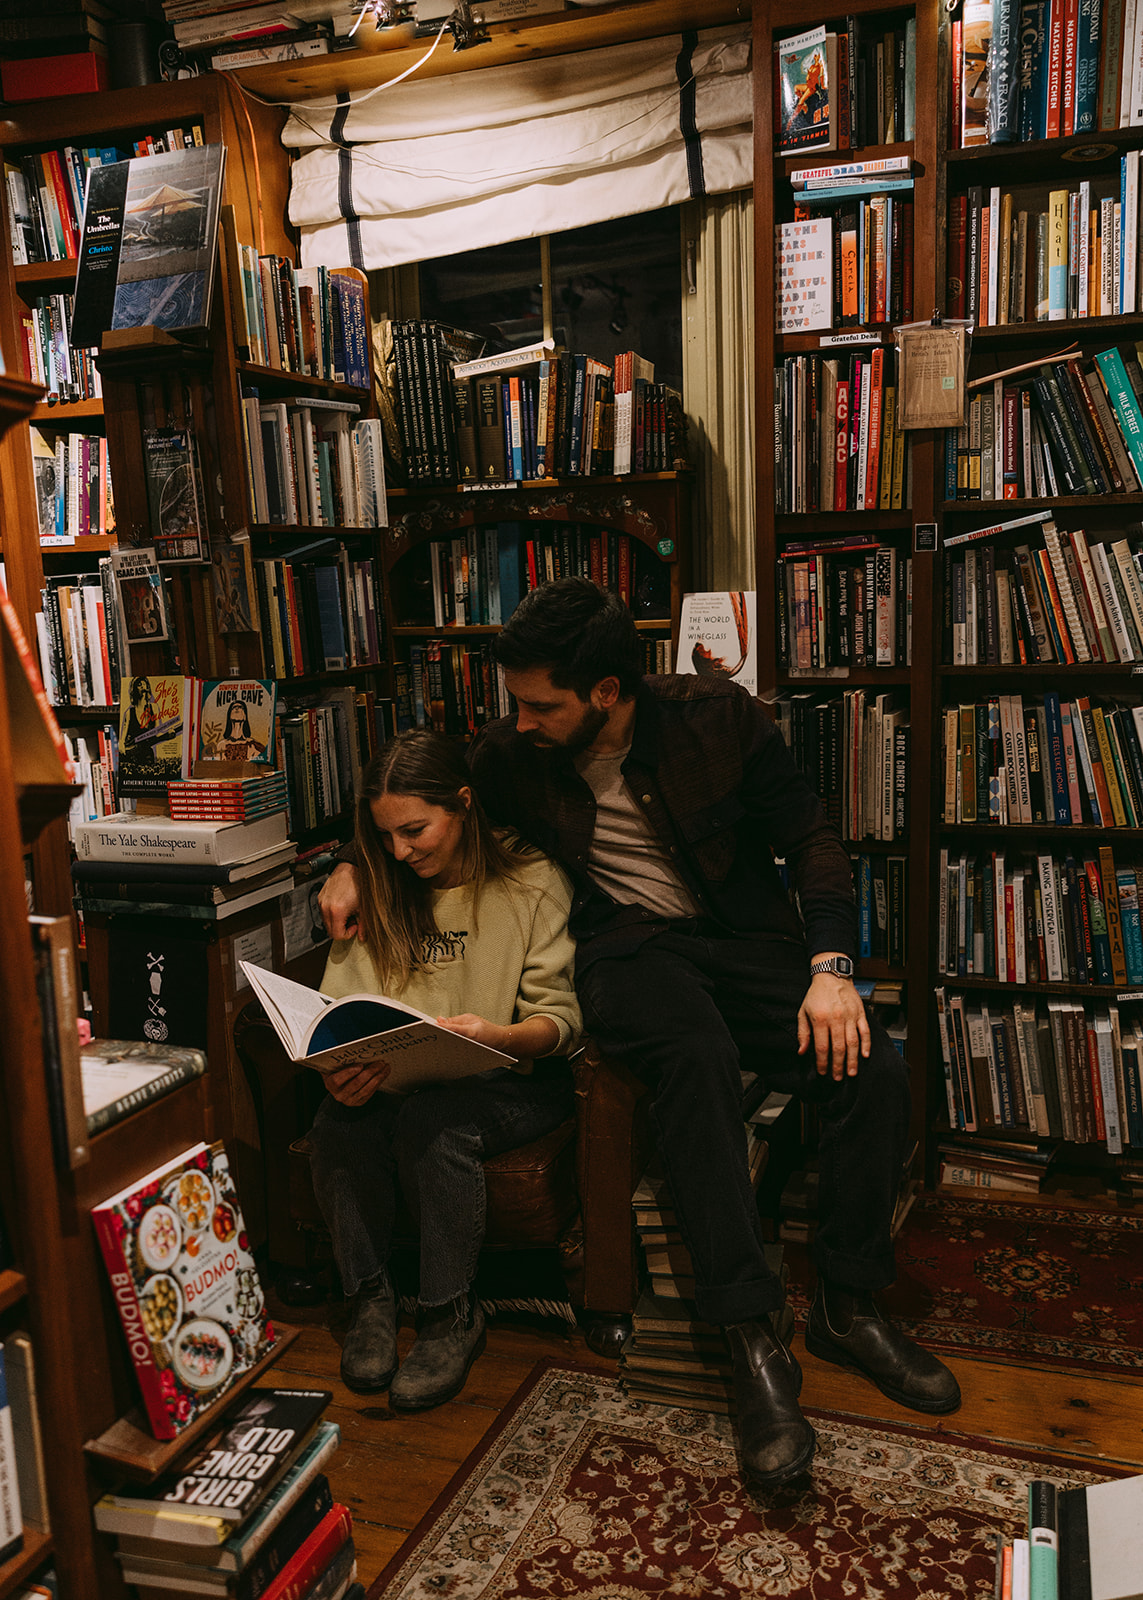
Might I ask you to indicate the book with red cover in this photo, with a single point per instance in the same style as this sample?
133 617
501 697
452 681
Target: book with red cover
185 1285
311 1559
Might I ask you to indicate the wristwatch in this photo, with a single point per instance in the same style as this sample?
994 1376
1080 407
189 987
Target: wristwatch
840 966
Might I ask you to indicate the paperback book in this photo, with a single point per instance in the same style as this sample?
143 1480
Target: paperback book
804 92
236 722
228 1476
174 492
185 1285
331 1034
147 256
717 637
155 715
141 595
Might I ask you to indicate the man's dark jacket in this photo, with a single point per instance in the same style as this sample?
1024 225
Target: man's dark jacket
712 774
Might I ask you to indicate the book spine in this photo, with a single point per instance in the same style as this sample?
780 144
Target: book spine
107 1116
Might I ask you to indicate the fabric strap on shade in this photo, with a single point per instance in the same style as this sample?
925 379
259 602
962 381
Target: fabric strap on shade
511 152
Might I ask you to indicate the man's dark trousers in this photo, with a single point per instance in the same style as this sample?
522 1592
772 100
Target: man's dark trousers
691 1009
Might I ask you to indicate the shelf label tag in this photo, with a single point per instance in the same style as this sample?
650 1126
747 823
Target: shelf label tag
925 536
829 341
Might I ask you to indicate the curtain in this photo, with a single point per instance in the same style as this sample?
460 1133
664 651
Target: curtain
718 380
513 152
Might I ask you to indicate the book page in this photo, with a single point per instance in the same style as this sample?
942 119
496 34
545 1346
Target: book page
292 1007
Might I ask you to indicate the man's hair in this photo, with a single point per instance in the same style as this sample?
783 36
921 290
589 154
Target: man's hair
579 634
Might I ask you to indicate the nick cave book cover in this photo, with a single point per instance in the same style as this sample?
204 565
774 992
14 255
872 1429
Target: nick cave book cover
185 1285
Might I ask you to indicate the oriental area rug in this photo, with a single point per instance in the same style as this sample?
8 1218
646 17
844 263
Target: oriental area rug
581 1492
1051 1286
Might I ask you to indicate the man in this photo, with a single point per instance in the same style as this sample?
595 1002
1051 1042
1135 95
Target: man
666 799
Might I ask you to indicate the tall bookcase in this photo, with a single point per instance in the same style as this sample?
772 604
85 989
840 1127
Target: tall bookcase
893 528
1031 172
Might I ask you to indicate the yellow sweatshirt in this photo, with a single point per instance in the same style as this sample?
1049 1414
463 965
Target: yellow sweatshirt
506 959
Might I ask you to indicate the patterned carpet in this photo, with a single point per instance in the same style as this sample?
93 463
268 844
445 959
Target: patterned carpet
580 1491
1005 1281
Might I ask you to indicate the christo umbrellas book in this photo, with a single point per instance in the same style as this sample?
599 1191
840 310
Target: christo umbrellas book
185 1285
150 238
330 1034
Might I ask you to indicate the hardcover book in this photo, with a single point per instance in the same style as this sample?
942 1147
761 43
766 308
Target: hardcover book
185 1285
127 837
805 275
147 256
236 722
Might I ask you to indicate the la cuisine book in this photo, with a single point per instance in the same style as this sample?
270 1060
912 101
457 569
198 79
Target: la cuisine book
328 1034
185 1285
150 238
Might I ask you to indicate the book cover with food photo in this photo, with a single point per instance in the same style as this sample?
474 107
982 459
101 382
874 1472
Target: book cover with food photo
185 1285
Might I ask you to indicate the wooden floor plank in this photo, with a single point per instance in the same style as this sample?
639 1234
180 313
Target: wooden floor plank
391 1468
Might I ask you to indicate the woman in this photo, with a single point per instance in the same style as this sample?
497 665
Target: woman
470 928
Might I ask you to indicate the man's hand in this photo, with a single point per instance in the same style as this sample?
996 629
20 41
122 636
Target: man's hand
339 901
353 1086
471 1026
833 1018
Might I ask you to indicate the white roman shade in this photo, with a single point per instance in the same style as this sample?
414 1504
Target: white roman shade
444 164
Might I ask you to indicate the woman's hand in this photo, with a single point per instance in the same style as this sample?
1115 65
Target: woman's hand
353 1086
495 1036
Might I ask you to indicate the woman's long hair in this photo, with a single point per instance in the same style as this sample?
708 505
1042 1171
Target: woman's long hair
396 911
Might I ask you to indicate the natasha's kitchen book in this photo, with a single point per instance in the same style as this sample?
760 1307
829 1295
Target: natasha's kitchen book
330 1034
185 1285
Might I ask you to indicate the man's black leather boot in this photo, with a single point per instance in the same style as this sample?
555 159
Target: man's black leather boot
776 1441
846 1327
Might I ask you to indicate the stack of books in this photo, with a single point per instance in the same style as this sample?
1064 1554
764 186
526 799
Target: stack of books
202 870
311 465
674 1358
205 799
249 1516
1014 1166
1083 1543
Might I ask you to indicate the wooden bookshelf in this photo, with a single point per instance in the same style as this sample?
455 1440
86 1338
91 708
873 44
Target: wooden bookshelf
917 681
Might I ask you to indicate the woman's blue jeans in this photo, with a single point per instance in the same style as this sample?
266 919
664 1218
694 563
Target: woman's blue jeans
433 1143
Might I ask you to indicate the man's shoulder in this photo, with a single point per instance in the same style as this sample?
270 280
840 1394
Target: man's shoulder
693 686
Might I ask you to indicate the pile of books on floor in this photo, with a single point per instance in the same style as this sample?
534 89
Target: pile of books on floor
1083 1543
672 1355
249 1514
1015 1166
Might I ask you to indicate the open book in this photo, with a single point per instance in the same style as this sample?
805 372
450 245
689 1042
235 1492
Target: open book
330 1034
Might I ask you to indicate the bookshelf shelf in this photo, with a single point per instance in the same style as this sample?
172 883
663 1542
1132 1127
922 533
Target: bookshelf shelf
138 1455
37 1547
444 490
301 384
13 1287
1003 509
1038 159
286 532
85 544
1036 830
62 413
1078 991
1043 669
797 344
844 677
1057 334
487 631
790 525
46 274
